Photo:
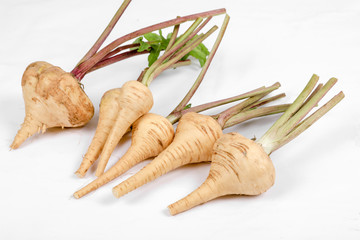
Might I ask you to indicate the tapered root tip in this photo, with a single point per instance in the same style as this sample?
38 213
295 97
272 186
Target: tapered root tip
116 193
183 205
206 192
76 195
18 140
14 145
28 128
173 210
99 172
80 174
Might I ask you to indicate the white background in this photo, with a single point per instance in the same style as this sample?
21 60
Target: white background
316 193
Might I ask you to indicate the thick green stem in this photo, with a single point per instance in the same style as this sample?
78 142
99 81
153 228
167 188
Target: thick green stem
292 127
306 123
306 108
292 109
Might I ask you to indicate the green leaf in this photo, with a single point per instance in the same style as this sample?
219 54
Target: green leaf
187 106
204 48
164 43
138 40
154 54
200 53
161 35
143 45
152 37
185 57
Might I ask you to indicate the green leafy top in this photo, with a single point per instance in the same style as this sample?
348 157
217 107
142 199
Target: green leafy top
157 43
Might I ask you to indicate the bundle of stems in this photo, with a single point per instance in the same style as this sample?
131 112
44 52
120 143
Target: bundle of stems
56 98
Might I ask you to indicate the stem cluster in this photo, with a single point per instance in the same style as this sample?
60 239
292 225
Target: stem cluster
292 122
114 52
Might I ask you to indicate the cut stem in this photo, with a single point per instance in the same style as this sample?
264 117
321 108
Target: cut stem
265 101
305 124
184 51
116 58
174 48
204 69
254 113
80 70
306 108
106 32
292 109
292 127
224 116
175 116
174 34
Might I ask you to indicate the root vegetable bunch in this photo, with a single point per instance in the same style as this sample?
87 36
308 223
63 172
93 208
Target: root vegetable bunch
55 98
152 133
242 166
121 107
194 138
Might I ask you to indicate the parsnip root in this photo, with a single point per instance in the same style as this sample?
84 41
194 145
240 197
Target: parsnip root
53 98
151 134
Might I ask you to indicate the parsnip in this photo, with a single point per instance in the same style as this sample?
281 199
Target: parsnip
53 98
194 138
137 100
242 166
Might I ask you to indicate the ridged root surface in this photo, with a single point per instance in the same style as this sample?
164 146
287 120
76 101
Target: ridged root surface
194 138
238 166
134 100
108 110
53 98
151 134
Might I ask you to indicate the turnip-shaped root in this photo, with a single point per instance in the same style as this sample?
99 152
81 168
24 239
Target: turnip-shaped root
53 98
238 166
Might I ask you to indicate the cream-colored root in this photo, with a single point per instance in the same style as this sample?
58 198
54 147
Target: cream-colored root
28 128
53 98
151 134
109 108
207 191
134 101
124 164
238 166
194 139
145 175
